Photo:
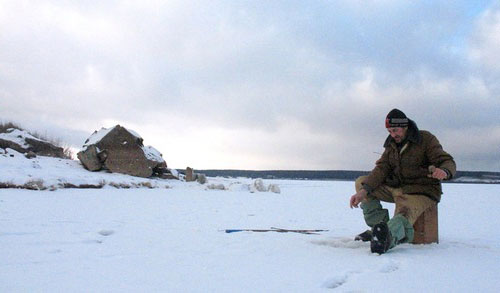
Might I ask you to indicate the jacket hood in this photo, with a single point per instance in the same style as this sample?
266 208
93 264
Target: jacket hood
412 135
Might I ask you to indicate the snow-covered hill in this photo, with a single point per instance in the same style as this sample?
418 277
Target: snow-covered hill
53 173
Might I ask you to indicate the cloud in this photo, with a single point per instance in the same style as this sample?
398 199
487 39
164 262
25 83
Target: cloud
281 84
486 40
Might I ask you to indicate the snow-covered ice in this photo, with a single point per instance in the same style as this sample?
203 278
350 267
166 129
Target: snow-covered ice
170 238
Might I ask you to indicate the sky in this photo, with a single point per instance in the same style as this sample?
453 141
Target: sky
256 84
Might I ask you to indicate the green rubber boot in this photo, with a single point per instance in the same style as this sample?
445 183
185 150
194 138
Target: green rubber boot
387 235
401 230
374 213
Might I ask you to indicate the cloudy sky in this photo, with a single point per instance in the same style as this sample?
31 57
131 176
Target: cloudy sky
256 84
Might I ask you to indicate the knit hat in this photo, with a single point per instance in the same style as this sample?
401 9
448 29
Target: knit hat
396 118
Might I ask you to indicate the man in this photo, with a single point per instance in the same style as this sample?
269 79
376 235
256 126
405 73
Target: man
409 174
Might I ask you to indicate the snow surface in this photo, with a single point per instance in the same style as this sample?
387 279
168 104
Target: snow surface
152 154
16 169
170 240
17 136
465 179
96 137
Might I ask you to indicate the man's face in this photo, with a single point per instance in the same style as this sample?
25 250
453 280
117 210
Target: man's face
397 133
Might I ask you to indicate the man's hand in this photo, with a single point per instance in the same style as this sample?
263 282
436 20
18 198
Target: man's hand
357 198
437 173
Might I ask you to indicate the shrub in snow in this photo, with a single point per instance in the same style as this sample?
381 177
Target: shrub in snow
146 184
119 185
36 184
216 187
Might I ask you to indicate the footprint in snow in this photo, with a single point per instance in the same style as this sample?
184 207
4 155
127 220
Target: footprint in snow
106 232
92 241
335 282
341 242
389 267
91 237
339 280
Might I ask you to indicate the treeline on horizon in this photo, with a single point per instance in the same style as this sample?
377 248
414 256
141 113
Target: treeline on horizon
321 174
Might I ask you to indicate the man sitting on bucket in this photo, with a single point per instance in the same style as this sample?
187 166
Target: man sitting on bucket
409 174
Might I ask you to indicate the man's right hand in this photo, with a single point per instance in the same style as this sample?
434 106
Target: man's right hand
357 198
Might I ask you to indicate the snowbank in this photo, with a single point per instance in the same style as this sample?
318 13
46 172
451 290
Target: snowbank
17 136
42 173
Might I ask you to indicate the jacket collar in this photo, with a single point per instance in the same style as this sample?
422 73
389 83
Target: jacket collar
413 134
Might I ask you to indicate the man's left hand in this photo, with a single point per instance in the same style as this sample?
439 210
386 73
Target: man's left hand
437 173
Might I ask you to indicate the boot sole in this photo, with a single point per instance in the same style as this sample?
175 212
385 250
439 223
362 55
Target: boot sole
365 236
379 242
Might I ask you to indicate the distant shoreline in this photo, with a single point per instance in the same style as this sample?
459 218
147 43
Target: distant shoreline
339 175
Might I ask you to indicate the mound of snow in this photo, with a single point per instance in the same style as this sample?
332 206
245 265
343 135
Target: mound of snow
258 185
23 142
42 173
18 136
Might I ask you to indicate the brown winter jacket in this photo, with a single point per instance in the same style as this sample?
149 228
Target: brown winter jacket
408 168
